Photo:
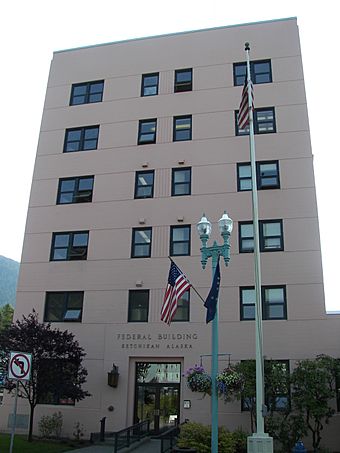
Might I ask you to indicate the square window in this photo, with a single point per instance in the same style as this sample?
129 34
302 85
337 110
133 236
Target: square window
181 181
183 309
147 131
261 72
69 246
264 122
87 93
150 84
270 232
141 242
64 306
267 175
180 240
144 184
81 139
138 306
274 304
183 80
182 128
75 190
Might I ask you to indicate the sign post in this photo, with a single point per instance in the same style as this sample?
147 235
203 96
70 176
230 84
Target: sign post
19 370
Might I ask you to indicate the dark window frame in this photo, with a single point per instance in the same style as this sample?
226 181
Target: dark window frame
175 185
174 243
82 140
65 296
260 178
144 310
144 86
176 132
77 194
138 186
240 79
257 123
181 87
183 309
262 238
271 405
71 250
134 243
141 133
265 304
88 94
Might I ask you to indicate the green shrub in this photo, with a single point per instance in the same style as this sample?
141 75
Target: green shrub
50 425
198 436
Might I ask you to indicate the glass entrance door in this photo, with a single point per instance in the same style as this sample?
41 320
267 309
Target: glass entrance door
156 400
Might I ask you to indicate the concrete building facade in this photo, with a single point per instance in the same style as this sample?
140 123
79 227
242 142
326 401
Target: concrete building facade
138 139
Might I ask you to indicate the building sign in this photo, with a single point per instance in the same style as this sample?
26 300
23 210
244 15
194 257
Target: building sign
179 341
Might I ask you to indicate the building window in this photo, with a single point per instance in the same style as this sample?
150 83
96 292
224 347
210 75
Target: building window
276 380
87 93
147 131
144 184
75 190
64 306
58 368
180 240
183 80
181 181
150 84
182 128
141 242
271 236
81 139
274 305
183 308
264 122
261 72
267 175
138 306
69 246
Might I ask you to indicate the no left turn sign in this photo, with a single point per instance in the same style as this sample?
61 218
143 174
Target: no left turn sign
20 366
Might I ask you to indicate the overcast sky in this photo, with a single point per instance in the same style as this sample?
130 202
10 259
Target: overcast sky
31 30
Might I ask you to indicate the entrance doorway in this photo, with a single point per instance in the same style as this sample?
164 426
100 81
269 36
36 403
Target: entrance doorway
157 394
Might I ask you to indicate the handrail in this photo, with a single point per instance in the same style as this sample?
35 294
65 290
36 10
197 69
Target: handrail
168 439
127 436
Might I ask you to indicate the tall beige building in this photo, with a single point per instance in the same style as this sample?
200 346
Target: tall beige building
138 139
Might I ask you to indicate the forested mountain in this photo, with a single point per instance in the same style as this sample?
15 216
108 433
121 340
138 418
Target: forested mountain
9 270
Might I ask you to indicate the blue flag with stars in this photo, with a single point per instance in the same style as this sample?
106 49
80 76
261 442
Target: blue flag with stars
211 301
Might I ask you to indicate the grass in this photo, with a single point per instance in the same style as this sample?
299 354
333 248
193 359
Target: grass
21 445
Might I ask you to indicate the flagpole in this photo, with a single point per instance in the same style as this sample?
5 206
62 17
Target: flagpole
259 442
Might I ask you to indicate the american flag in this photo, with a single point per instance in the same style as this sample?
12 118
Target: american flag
177 286
243 113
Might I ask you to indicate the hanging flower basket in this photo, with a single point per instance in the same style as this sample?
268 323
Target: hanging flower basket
198 380
229 381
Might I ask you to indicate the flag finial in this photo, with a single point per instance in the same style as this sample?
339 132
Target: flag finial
246 46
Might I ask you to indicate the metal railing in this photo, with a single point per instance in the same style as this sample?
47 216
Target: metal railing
123 438
168 439
128 436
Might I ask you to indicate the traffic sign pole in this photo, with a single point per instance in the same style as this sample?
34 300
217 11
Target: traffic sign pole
14 420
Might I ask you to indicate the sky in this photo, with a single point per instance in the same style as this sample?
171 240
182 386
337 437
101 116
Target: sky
32 29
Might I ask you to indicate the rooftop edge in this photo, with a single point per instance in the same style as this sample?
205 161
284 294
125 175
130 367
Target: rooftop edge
175 34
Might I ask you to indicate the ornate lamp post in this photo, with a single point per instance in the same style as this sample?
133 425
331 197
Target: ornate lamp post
225 225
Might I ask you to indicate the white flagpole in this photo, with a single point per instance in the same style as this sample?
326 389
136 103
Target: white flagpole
260 442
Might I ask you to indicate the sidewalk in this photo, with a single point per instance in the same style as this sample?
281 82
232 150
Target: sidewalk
144 446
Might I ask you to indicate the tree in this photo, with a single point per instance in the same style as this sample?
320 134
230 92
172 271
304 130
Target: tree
6 316
276 380
57 372
313 387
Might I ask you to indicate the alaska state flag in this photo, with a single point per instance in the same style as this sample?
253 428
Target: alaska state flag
211 301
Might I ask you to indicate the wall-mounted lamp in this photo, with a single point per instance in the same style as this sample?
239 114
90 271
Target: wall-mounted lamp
112 376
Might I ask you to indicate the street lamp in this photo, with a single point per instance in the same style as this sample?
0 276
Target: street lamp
225 225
